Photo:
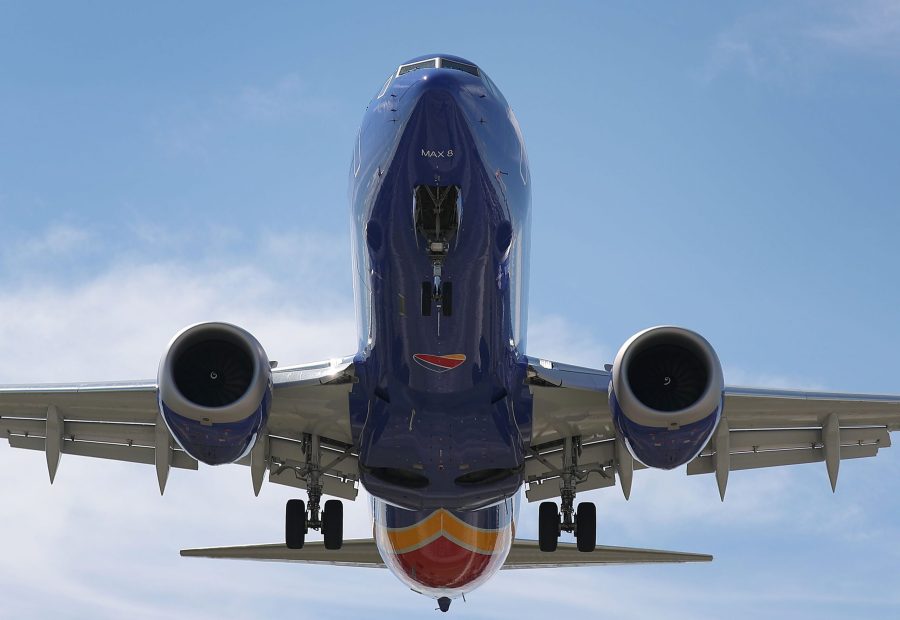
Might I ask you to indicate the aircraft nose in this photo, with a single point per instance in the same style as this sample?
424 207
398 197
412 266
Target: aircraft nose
442 79
440 84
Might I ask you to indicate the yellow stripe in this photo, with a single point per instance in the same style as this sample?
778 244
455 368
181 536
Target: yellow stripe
414 536
443 523
470 537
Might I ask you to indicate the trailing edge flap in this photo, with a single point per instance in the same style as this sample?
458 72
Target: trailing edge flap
524 554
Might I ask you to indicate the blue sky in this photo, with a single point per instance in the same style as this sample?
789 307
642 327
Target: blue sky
732 168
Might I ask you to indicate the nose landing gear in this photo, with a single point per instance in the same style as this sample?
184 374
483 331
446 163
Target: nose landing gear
437 212
440 294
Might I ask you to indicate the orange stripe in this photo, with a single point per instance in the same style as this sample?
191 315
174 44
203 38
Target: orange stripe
463 534
415 535
438 523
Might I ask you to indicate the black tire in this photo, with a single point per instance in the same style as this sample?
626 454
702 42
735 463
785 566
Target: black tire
586 526
333 524
427 294
295 524
548 526
447 298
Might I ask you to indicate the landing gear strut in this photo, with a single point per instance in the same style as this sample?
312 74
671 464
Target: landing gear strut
583 522
300 518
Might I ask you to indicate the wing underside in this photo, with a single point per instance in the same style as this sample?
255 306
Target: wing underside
121 421
759 428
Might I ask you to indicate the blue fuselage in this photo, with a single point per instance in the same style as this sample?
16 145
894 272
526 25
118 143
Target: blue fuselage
440 413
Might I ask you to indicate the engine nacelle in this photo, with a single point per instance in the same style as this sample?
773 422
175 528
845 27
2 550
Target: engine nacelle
666 395
215 391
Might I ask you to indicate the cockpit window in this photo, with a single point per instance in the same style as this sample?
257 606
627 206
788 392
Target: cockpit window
422 64
385 87
459 66
435 63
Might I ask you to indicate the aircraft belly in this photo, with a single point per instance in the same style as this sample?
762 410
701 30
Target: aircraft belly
440 414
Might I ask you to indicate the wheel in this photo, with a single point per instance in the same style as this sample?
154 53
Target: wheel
447 298
295 524
548 526
333 524
586 526
427 295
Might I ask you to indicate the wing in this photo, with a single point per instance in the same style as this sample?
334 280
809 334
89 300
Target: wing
121 421
759 428
769 428
569 402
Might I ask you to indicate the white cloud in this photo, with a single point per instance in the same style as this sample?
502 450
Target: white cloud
115 323
192 128
552 337
101 543
740 377
101 536
792 42
288 96
868 27
59 240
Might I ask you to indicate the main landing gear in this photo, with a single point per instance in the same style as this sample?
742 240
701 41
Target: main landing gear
298 522
582 522
300 518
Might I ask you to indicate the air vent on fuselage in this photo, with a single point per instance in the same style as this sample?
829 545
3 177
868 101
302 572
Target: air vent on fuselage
437 213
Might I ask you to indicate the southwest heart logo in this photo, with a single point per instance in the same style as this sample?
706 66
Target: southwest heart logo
439 363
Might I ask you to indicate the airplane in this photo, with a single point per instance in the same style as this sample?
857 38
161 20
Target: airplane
440 415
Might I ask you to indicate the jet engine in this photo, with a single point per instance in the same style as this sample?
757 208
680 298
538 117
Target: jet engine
215 391
666 395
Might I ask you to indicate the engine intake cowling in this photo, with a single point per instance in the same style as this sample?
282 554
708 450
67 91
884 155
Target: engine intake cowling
666 395
215 391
